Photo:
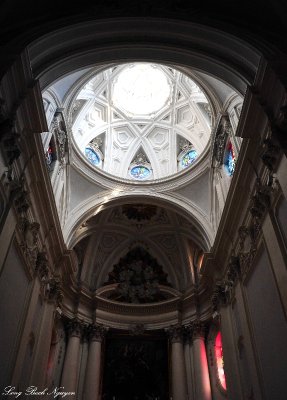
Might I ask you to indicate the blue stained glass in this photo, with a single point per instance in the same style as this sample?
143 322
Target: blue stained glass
230 162
188 158
92 156
140 172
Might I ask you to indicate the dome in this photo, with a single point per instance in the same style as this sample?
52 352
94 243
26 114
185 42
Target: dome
141 121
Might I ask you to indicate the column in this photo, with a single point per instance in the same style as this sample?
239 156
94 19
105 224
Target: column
93 371
71 364
201 373
188 362
178 372
83 364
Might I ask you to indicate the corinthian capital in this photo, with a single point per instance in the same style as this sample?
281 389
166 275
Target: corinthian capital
175 333
96 332
75 328
199 329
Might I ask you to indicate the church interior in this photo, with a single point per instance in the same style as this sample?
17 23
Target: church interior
143 188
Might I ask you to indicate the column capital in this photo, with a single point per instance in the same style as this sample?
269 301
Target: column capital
75 328
187 334
175 333
96 332
199 329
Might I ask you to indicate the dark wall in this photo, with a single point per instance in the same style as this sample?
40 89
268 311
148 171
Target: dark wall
135 368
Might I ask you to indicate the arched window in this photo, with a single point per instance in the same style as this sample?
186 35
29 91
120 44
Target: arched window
140 168
229 159
188 158
51 154
92 156
187 154
93 152
219 360
140 172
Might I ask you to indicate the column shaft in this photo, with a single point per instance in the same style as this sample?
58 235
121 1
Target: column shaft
93 370
178 372
71 364
201 372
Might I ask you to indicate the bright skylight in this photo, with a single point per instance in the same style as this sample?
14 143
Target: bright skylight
141 89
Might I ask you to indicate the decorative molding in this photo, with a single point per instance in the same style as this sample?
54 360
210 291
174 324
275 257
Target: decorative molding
138 277
42 266
59 129
9 138
18 195
270 154
139 212
29 245
54 289
221 135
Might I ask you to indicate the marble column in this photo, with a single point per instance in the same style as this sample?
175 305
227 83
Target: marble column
71 364
201 373
93 370
178 372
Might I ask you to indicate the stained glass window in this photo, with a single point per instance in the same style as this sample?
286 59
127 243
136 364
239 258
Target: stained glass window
92 156
230 159
219 360
140 172
50 155
188 158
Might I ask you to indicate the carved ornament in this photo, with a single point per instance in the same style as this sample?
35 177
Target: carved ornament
96 332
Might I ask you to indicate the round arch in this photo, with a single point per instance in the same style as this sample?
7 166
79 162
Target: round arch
93 206
203 48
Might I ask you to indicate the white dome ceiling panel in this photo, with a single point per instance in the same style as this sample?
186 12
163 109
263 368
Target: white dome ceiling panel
124 137
184 116
158 137
139 105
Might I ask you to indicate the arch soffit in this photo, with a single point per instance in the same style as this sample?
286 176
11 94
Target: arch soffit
95 205
206 49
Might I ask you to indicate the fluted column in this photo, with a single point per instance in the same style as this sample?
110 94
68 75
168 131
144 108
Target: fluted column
178 372
71 364
201 373
93 370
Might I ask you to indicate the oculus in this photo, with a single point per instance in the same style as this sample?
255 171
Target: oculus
141 89
134 116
